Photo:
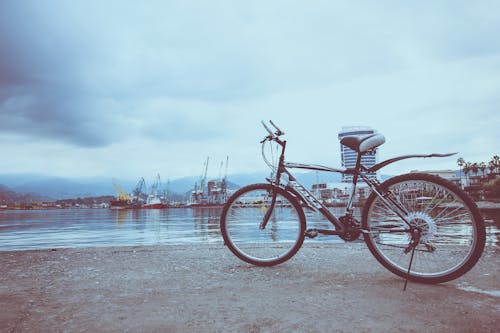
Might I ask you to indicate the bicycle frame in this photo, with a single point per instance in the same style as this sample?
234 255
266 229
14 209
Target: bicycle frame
299 191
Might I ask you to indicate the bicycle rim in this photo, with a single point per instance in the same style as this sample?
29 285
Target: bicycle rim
278 241
452 234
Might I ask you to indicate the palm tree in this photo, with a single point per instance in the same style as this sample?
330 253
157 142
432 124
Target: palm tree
467 168
491 166
496 163
475 168
482 167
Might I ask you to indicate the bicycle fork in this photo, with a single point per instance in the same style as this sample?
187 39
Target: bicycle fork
269 211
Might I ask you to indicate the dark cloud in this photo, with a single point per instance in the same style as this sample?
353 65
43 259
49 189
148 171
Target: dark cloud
56 71
40 93
35 112
59 72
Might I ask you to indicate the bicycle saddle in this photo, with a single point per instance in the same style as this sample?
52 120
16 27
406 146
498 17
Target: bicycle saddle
363 143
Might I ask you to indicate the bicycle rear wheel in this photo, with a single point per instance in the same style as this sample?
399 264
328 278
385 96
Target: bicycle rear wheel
241 219
450 231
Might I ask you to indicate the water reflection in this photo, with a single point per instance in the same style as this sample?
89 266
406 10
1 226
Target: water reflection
41 229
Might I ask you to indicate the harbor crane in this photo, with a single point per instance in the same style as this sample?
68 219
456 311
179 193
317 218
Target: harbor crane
223 183
198 193
122 195
138 194
216 193
204 177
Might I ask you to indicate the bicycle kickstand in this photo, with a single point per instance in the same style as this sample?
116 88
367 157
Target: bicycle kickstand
409 268
413 245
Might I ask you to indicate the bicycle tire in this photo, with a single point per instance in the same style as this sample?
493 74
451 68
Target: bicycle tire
453 232
240 225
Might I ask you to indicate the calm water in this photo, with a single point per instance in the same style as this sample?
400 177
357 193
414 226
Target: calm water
44 229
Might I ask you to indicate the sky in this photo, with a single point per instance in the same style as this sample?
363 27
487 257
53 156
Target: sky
129 89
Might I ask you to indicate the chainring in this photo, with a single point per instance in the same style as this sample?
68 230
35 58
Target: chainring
353 230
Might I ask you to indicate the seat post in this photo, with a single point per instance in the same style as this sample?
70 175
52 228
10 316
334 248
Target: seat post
354 183
358 167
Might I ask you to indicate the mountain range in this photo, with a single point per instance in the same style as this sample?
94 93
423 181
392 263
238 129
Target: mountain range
54 188
63 188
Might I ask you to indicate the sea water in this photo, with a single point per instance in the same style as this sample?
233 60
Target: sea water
75 228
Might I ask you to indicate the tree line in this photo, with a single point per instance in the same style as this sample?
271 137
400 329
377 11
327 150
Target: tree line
488 187
493 166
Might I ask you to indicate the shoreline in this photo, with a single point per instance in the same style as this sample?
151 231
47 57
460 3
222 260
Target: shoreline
204 288
482 206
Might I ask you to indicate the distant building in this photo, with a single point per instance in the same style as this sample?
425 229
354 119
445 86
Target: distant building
349 156
337 194
329 191
450 175
446 174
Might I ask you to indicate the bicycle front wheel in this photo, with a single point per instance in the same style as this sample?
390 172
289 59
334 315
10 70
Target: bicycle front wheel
241 221
448 232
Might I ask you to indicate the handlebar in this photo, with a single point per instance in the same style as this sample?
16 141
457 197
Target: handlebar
278 131
271 136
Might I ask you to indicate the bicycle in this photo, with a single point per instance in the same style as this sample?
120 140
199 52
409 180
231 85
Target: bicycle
419 226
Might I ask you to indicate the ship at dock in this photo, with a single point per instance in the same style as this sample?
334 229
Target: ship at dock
123 200
206 193
119 204
212 193
155 198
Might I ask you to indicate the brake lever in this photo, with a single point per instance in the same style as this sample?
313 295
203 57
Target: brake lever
269 137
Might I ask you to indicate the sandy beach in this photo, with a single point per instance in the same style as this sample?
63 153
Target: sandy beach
324 288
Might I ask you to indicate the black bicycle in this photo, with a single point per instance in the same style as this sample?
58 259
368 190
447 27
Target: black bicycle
419 226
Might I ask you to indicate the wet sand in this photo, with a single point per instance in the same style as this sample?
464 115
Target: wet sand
324 288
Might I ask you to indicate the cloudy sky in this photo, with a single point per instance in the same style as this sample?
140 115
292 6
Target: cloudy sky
133 88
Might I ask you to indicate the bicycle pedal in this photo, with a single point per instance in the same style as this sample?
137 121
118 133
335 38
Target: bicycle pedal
311 233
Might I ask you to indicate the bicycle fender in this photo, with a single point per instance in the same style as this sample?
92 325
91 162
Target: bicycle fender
380 165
